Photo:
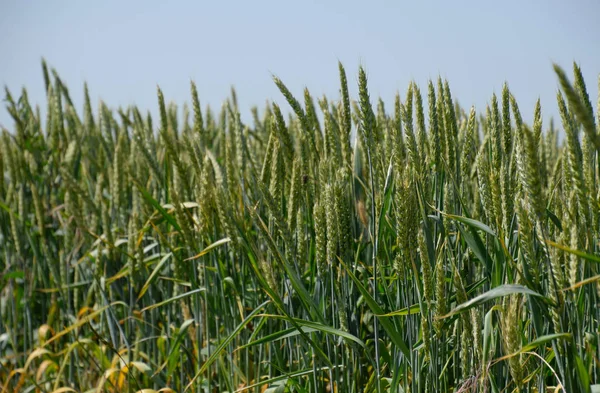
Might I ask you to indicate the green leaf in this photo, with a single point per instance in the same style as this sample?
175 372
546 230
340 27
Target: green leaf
476 245
412 310
174 298
388 326
584 255
280 335
277 301
314 326
13 274
280 378
554 219
217 352
487 333
472 223
175 345
296 282
584 376
154 203
543 340
154 274
492 294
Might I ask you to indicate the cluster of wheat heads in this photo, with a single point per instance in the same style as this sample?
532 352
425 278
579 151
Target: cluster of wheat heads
202 254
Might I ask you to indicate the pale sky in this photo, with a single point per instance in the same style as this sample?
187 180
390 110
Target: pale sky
123 49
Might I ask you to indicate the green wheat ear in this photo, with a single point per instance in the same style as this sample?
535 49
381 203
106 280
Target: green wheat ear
581 90
468 147
529 171
575 166
367 117
588 155
313 120
307 133
345 117
283 134
294 196
434 133
510 329
496 128
320 226
421 132
583 113
411 140
451 127
198 121
506 125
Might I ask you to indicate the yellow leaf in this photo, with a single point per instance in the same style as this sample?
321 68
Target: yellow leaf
110 372
210 247
141 367
64 390
35 354
82 322
44 331
45 365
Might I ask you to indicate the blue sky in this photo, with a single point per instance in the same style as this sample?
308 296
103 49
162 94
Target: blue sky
124 49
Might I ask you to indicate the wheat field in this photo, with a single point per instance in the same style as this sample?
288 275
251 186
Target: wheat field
329 245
